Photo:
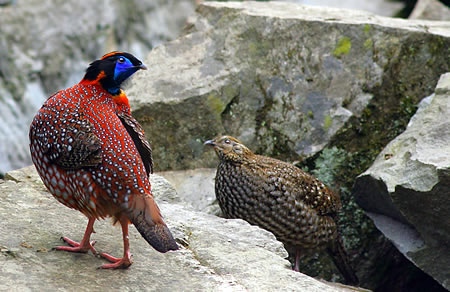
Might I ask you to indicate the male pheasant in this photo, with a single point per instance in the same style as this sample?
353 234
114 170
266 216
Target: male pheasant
281 198
92 156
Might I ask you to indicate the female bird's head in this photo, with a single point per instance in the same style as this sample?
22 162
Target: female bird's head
229 148
113 69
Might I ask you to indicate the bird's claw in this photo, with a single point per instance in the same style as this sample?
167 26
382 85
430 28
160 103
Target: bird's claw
116 263
81 247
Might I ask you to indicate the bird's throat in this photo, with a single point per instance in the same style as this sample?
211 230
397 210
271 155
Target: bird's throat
122 100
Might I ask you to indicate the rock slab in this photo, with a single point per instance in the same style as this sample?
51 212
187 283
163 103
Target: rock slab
215 255
407 188
46 47
284 78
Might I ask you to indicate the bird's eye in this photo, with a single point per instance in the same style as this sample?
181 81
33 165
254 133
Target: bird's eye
227 141
121 60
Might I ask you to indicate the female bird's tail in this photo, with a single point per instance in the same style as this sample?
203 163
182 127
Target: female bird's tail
340 259
145 215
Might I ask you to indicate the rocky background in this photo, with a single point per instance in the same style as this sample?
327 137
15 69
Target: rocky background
324 88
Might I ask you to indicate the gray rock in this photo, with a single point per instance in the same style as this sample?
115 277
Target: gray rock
431 10
195 187
287 80
284 78
406 189
215 255
379 7
7 2
46 47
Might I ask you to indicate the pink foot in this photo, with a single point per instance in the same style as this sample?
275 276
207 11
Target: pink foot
297 261
117 263
77 247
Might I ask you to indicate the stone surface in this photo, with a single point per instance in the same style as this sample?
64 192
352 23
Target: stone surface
215 255
195 187
431 10
406 189
285 79
379 7
288 80
268 74
46 47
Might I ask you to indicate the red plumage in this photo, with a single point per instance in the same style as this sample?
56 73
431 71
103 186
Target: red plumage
92 156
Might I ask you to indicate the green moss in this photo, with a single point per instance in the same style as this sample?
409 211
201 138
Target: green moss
408 106
215 104
291 53
254 47
343 47
258 48
328 164
327 122
436 47
368 44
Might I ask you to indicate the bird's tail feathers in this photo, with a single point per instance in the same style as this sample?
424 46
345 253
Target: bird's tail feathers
340 259
145 215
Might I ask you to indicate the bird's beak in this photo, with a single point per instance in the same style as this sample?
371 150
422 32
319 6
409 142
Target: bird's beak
210 143
143 67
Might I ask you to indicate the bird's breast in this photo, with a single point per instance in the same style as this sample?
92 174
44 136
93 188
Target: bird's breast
95 189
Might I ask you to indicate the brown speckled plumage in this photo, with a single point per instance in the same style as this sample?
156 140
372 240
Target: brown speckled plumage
277 196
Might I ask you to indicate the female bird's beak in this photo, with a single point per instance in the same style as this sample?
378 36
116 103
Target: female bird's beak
210 143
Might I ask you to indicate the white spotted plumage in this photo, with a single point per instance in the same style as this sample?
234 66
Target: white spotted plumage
119 158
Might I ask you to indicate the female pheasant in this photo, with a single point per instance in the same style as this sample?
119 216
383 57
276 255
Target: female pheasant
92 156
277 196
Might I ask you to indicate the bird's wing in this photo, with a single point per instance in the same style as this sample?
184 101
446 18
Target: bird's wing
68 141
319 196
136 132
290 179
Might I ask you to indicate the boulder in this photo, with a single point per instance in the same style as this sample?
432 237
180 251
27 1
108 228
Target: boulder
379 7
406 189
46 47
284 78
323 88
215 254
195 187
431 10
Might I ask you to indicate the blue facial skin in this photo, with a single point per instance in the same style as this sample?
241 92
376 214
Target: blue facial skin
124 69
113 69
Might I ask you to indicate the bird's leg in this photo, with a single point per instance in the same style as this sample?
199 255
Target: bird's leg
125 261
85 245
297 260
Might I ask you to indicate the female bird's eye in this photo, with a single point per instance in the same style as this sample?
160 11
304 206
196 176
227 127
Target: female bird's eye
121 60
227 141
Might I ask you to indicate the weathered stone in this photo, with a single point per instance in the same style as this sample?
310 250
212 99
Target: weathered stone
406 189
281 77
195 187
46 46
287 80
430 10
266 72
215 255
378 7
